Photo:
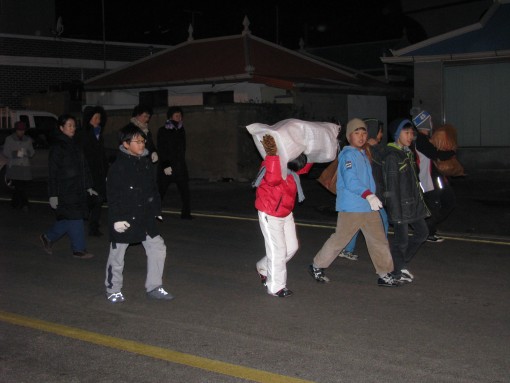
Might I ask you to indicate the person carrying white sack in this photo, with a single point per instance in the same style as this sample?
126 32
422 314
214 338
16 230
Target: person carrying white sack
275 200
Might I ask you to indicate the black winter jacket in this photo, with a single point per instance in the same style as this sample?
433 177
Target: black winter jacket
133 196
95 156
403 195
69 178
172 151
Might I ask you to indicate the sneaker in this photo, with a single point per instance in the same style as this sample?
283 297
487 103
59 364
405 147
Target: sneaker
435 238
318 274
407 273
283 293
82 255
348 255
115 297
46 244
263 279
388 281
160 293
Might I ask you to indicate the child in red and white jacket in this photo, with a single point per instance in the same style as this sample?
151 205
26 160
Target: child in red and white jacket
275 200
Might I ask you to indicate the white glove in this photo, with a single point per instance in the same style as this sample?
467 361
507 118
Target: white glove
92 192
168 171
159 218
20 153
375 203
121 226
154 157
53 202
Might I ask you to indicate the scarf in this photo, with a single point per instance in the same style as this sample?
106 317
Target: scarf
144 127
170 124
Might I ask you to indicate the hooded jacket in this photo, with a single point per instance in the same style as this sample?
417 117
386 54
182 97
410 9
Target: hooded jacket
133 196
403 196
277 196
355 181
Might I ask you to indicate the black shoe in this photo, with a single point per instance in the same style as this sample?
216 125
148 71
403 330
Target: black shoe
318 274
46 244
82 255
283 293
435 238
388 281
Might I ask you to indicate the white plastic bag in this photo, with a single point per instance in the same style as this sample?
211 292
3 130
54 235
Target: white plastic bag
317 140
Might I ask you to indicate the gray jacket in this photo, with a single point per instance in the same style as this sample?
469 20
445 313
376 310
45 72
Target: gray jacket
18 152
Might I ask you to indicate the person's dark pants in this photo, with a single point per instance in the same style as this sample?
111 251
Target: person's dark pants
19 195
403 246
95 204
441 203
182 184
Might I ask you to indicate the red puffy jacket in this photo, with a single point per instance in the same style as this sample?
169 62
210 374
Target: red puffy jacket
276 196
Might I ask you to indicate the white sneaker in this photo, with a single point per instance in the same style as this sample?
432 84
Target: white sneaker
160 293
115 297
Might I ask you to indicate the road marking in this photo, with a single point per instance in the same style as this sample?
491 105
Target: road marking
460 237
189 360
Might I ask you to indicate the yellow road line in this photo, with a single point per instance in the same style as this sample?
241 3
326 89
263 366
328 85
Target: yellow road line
189 360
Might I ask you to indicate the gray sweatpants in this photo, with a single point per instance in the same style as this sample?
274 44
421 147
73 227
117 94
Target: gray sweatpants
155 249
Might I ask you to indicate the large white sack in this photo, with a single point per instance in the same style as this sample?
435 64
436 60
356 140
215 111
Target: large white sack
318 140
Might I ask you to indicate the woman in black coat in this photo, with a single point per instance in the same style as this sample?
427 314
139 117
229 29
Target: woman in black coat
69 182
92 142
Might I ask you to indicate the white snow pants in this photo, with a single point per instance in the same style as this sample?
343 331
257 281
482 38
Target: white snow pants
281 244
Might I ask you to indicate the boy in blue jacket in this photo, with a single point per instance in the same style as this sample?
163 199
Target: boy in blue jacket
358 209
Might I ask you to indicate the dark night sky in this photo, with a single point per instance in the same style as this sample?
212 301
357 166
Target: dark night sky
166 22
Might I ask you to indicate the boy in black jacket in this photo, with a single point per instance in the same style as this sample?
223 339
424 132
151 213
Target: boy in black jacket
404 198
134 206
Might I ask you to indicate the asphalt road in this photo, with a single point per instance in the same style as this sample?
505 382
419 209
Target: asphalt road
449 325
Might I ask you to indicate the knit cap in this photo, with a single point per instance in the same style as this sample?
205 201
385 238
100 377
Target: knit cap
354 124
423 120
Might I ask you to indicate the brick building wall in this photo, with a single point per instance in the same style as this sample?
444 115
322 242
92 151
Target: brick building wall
34 65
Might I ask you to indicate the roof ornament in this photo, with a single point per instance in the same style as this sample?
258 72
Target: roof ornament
246 24
190 33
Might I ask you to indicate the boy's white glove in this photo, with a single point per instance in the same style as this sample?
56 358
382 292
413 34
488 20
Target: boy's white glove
92 192
375 203
159 218
168 171
154 157
53 202
121 226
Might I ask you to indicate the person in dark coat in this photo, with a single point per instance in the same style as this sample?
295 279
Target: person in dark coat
92 142
437 191
134 206
69 182
404 198
140 117
172 158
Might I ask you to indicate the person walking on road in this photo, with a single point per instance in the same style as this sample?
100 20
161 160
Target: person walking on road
439 195
358 208
275 200
134 206
18 149
404 198
92 142
69 182
172 159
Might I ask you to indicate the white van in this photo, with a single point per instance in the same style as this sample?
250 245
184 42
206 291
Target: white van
31 118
